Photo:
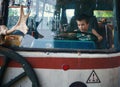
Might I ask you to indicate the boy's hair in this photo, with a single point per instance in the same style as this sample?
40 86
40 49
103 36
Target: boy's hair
83 17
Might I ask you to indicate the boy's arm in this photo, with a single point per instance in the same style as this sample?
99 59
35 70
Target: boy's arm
97 35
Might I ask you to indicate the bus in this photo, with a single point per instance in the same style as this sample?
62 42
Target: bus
49 50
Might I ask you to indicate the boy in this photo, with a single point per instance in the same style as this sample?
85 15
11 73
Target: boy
83 25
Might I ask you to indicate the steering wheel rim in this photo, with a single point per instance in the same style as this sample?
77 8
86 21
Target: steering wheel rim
75 36
89 36
9 55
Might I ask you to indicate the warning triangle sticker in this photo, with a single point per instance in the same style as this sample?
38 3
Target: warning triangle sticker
93 78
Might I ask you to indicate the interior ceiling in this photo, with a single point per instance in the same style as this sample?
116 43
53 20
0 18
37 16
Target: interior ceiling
101 4
85 1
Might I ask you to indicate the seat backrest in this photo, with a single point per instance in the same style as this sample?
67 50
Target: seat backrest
106 33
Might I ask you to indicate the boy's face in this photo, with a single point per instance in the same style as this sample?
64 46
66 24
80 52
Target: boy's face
82 25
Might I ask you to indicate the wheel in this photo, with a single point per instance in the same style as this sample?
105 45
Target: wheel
9 55
84 36
77 35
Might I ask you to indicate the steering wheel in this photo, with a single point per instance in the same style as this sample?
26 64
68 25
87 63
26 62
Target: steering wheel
66 36
77 35
8 55
84 36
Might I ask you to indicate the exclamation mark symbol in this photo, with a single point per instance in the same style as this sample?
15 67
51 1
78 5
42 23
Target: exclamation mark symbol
93 77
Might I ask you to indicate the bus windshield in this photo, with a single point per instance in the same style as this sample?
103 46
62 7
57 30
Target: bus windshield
65 24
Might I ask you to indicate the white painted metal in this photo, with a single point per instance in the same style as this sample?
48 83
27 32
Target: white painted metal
59 78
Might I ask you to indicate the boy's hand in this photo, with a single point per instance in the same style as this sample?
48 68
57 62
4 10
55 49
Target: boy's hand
99 38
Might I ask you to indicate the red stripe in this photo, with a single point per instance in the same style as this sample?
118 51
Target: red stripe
74 63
